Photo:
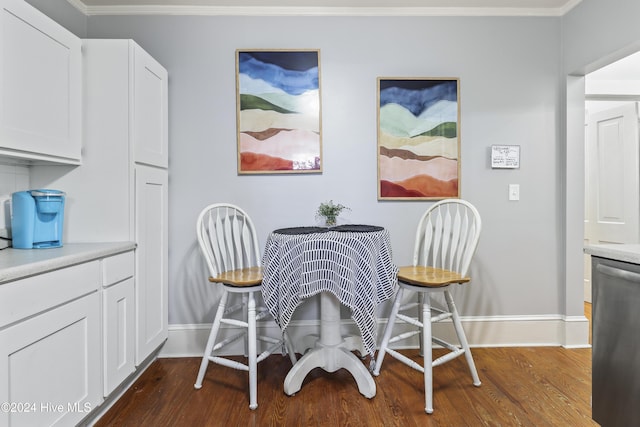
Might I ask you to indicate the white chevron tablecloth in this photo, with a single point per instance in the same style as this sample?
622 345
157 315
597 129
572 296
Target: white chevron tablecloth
353 262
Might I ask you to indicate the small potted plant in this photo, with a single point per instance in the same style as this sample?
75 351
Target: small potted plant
329 212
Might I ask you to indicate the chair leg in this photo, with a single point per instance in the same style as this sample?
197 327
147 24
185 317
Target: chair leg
427 353
253 365
245 315
457 324
387 332
222 306
421 297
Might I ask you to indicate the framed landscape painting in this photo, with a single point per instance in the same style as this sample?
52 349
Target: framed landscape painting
418 138
278 111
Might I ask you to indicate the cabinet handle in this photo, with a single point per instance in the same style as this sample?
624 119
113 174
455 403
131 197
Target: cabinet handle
618 273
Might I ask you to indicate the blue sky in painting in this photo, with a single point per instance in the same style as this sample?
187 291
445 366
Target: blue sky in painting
293 72
417 95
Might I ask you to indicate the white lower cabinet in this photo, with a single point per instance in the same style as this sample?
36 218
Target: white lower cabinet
118 320
67 338
49 363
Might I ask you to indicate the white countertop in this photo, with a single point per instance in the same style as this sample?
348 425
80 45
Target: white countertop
18 263
620 252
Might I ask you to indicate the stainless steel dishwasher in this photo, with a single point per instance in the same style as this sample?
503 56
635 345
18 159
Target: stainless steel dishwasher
616 342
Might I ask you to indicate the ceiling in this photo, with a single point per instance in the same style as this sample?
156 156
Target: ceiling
627 68
330 7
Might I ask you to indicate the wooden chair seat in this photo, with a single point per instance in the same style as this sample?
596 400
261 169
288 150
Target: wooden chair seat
431 277
243 277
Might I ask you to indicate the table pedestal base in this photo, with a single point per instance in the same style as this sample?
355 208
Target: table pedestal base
331 353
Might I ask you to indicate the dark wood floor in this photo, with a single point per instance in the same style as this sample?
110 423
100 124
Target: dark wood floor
530 386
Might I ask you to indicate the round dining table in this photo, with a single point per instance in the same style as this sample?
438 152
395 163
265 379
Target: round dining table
349 264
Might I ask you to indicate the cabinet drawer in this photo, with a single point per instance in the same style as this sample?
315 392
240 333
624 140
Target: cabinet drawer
26 297
117 268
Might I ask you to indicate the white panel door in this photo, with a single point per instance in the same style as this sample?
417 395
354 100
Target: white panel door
119 334
612 179
151 260
150 136
40 85
50 364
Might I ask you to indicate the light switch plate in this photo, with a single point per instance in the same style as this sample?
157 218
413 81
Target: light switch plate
514 191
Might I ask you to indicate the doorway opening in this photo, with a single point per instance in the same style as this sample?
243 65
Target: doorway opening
612 157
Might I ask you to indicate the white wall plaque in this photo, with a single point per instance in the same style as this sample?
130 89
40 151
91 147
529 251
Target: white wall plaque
505 156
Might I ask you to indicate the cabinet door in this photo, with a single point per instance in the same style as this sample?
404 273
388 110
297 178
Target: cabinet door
119 334
150 110
40 86
151 260
50 366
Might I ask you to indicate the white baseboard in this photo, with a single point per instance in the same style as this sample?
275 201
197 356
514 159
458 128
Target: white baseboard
189 340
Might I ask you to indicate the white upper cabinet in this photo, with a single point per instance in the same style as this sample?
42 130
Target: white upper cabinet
40 86
150 134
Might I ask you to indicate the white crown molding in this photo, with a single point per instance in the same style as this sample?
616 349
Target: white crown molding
318 11
567 7
78 4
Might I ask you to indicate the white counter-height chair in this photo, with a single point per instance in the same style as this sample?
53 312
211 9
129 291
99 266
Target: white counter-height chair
446 240
229 245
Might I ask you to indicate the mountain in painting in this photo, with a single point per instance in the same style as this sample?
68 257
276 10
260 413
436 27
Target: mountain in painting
252 102
440 118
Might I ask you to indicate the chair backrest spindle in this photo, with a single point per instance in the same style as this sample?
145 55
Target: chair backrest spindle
447 236
227 236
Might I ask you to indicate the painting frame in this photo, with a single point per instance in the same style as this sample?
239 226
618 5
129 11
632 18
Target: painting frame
278 111
418 138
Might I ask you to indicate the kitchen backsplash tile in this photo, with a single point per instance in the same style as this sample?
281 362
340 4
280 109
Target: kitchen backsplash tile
12 178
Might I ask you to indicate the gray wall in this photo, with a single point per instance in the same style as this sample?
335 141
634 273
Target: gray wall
598 32
513 91
64 14
509 70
